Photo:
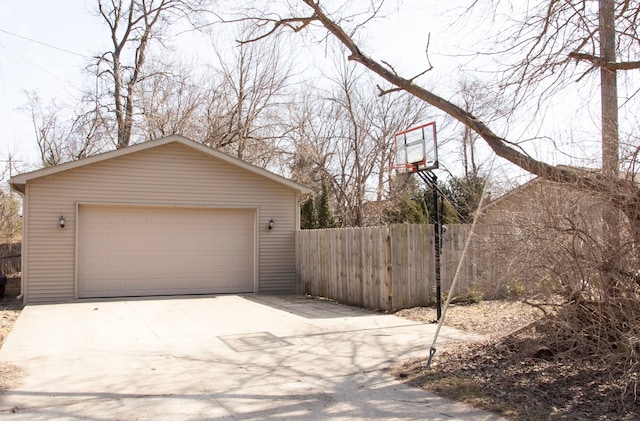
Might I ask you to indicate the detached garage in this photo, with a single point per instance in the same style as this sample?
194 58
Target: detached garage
164 217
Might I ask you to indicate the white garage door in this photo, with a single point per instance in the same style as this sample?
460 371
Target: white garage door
136 251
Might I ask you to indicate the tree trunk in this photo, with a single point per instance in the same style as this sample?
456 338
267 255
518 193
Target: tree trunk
609 116
609 89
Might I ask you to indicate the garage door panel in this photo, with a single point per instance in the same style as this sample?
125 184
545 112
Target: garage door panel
93 285
239 262
234 220
160 261
238 281
137 263
114 218
222 283
133 251
111 241
159 241
179 219
114 285
114 262
140 285
197 263
88 263
93 242
95 217
206 243
194 283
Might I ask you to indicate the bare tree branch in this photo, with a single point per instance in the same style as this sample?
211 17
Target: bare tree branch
599 62
133 25
623 193
277 24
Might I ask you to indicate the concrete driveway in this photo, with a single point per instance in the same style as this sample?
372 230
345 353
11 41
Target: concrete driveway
225 357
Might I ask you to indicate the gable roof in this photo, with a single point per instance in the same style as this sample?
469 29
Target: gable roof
513 193
18 182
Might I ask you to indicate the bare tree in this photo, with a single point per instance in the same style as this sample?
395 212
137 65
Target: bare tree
174 102
573 39
46 129
344 137
248 106
392 114
312 138
592 263
62 138
10 206
133 26
356 151
475 97
621 193
240 105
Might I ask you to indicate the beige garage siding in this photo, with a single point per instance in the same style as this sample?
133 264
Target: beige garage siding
166 175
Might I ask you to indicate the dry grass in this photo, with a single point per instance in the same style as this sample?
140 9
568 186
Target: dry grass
521 373
488 318
10 308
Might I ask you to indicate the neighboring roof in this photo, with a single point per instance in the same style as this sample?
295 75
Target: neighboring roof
19 182
513 192
529 184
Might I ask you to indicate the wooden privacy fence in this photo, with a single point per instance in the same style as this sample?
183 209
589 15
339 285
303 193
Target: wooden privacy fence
10 258
385 268
347 265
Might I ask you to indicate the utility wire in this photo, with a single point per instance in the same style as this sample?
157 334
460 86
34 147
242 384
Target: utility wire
45 44
27 60
36 65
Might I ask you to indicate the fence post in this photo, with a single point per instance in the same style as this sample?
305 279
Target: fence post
389 263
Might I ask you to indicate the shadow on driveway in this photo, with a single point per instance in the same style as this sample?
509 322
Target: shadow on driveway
226 357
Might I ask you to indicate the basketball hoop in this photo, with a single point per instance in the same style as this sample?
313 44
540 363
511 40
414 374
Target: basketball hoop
415 149
403 168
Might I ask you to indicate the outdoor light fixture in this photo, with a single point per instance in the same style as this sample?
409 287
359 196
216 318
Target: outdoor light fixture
62 222
271 224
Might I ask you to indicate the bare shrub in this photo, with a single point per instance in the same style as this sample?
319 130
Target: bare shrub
548 240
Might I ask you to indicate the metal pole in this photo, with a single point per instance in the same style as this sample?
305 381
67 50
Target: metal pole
432 181
432 350
437 227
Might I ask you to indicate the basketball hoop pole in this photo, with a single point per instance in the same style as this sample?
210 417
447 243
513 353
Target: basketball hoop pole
416 150
432 181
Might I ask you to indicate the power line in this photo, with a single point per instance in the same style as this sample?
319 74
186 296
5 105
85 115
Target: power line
10 160
27 60
39 67
45 44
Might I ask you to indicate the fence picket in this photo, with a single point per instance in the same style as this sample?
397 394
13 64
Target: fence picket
10 258
385 268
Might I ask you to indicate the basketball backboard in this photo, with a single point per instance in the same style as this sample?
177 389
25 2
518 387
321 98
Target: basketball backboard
416 149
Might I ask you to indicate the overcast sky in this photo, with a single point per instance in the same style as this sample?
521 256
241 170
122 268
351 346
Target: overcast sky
29 66
45 45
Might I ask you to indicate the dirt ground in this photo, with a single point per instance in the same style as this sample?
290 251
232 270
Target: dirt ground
10 308
510 373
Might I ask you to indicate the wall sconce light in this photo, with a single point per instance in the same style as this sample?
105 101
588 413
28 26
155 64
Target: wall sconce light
271 224
61 222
